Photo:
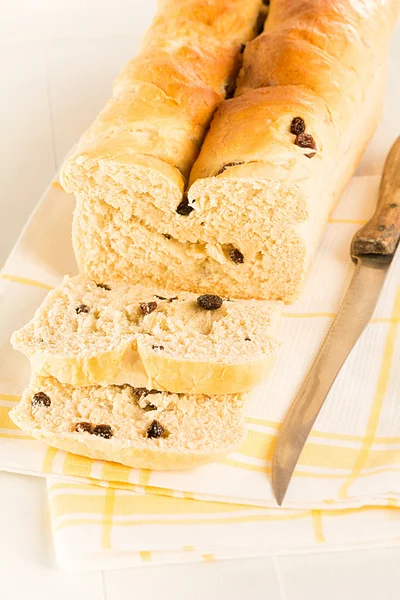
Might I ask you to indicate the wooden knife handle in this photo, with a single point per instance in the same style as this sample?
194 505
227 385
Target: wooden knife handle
381 234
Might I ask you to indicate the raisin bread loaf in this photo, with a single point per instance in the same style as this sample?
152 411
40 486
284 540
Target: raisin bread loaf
139 151
275 160
131 426
96 333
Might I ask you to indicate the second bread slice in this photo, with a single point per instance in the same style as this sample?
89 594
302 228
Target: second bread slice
89 333
134 427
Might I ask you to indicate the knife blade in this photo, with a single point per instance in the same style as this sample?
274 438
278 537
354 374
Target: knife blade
372 249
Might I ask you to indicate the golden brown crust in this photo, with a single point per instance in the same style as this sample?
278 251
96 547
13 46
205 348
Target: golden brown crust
147 120
269 112
338 26
232 21
284 64
177 347
191 65
154 371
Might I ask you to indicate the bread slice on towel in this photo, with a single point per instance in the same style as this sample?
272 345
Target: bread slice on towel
131 426
104 333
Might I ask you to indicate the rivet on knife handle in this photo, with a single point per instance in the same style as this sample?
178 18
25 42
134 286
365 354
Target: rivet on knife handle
382 232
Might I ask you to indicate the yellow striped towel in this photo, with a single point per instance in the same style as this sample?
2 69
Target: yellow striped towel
352 458
102 527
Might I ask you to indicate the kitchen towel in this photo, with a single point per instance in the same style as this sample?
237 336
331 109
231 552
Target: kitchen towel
352 457
104 528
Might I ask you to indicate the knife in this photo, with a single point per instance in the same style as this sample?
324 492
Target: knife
372 250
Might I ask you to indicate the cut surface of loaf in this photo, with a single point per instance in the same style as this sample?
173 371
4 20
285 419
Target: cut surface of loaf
107 333
271 168
243 260
134 427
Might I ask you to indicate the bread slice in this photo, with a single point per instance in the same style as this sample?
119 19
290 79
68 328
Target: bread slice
131 426
105 333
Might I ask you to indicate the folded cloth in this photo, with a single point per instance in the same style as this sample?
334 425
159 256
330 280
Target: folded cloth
352 458
102 528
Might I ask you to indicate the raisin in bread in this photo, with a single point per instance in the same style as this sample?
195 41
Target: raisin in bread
140 149
94 333
138 428
270 170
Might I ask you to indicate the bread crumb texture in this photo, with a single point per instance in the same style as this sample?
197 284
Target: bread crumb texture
177 326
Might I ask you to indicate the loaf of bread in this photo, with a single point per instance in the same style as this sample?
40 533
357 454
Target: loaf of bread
274 162
104 333
134 427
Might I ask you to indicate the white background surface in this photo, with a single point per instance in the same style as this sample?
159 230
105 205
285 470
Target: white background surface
57 61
